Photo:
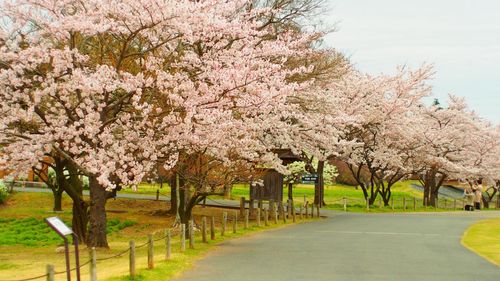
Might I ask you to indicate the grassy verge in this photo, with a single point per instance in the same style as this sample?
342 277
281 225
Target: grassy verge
129 220
483 238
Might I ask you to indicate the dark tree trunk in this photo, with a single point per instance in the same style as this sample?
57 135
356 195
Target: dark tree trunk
319 187
290 191
74 189
97 232
57 199
173 195
227 191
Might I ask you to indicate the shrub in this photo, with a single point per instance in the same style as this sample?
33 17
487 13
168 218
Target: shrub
3 192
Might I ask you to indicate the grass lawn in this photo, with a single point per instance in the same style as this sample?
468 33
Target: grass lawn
483 238
23 257
405 198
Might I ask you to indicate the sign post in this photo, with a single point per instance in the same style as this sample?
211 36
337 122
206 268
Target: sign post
63 230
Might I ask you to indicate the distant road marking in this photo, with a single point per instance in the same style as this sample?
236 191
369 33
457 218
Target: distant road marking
384 233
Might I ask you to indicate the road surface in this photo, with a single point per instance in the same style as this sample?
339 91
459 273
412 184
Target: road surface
353 247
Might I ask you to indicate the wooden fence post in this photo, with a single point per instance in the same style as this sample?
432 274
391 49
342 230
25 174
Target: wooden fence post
301 210
50 272
307 209
266 217
392 203
247 214
235 222
312 211
212 228
157 194
204 229
183 237
283 213
275 215
151 264
414 204
251 207
224 221
191 234
258 217
132 259
242 206
289 206
93 265
404 203
294 214
168 244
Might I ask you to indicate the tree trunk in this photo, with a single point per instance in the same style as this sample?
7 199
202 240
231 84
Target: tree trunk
319 187
57 199
227 191
97 232
173 195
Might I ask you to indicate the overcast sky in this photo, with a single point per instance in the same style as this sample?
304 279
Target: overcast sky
461 38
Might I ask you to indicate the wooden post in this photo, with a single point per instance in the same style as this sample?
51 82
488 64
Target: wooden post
258 217
392 203
93 265
301 210
242 206
168 244
289 206
294 215
212 228
260 205
235 222
247 214
151 264
283 213
191 234
404 203
183 237
307 209
312 211
204 229
132 259
251 207
271 207
345 204
317 210
266 217
414 204
367 204
275 216
224 221
157 194
50 272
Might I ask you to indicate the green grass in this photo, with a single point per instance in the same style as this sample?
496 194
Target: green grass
33 232
483 238
404 197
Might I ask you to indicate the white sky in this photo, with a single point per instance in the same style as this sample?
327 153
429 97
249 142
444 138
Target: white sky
461 38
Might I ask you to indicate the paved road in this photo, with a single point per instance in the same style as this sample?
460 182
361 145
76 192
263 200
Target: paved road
354 247
138 196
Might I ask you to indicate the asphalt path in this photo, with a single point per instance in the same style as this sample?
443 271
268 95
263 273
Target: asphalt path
354 247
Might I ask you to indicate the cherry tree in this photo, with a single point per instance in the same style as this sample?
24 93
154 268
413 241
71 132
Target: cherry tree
116 87
382 140
449 136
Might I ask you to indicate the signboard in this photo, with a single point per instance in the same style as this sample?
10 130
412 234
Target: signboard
58 225
311 178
